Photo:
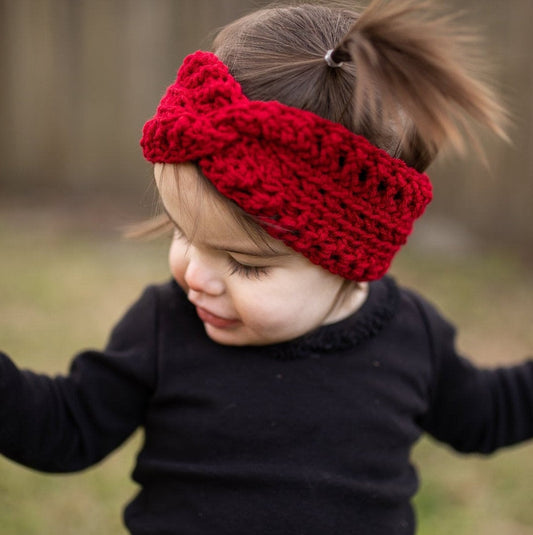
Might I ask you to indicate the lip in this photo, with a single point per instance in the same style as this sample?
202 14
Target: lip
214 320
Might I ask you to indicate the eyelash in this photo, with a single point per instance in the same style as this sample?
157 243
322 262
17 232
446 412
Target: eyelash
250 272
236 268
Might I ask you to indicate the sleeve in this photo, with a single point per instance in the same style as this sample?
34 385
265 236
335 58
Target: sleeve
475 409
68 423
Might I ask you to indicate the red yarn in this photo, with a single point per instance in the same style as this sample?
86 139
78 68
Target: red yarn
329 194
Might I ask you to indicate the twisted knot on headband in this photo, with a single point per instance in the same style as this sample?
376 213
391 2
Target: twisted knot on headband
328 193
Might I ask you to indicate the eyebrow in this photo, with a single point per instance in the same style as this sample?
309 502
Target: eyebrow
271 253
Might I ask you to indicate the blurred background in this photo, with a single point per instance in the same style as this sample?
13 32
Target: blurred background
79 79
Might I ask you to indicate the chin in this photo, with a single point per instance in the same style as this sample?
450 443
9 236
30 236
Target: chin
236 337
225 337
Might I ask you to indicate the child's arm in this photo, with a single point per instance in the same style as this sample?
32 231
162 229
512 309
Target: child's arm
68 423
475 409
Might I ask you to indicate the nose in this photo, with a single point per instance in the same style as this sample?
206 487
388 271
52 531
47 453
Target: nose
201 277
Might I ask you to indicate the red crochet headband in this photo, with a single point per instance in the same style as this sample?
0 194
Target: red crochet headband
327 193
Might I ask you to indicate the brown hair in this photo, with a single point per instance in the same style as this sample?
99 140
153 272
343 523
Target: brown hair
205 192
404 83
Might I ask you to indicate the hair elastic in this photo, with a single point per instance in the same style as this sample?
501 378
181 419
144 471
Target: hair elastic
330 61
328 193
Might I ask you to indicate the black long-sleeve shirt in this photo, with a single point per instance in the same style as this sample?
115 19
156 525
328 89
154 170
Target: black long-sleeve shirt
311 436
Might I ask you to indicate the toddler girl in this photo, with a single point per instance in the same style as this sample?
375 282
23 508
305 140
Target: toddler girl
281 377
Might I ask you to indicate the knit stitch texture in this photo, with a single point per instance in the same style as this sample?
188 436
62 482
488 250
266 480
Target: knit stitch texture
328 193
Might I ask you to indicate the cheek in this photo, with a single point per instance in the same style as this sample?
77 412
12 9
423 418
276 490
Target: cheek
257 305
272 308
177 261
301 301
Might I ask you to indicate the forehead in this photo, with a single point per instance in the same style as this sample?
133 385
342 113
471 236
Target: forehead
200 211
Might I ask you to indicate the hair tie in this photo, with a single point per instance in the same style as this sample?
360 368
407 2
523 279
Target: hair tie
330 61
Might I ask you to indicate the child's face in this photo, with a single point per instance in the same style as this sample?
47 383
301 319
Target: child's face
244 292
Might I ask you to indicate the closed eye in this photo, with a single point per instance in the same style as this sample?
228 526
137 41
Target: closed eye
245 270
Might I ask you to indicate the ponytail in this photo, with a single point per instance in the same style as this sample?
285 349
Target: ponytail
404 82
411 77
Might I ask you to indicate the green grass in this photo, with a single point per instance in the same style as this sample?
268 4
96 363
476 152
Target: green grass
64 287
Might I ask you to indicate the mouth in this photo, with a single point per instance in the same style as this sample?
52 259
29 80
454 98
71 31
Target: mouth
214 320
